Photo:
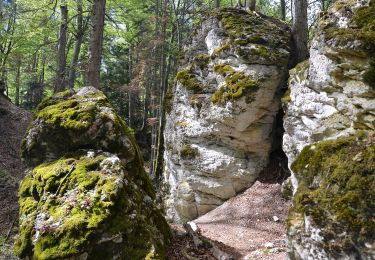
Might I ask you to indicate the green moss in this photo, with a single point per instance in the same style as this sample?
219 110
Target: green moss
337 189
285 100
188 152
237 84
189 80
225 46
83 200
201 60
361 27
246 28
224 69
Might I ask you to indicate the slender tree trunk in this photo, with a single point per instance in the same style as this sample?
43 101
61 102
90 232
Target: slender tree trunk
217 3
18 76
239 4
283 9
251 4
96 43
300 29
61 57
77 46
131 98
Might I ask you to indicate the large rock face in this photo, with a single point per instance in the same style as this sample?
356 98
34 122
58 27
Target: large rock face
219 128
329 139
91 198
332 94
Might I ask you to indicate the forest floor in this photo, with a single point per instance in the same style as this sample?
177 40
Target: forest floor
251 225
13 124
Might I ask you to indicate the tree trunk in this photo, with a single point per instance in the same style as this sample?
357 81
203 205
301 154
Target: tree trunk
96 43
217 3
251 4
283 9
77 46
300 30
131 98
61 57
239 4
18 76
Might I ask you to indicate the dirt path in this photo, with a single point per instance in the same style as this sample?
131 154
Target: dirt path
13 123
252 224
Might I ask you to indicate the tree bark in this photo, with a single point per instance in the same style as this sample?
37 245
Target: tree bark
217 3
283 9
251 4
77 46
96 43
61 57
239 4
300 30
18 76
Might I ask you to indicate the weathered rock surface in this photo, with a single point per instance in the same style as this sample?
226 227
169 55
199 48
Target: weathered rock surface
332 216
89 200
329 139
219 128
332 94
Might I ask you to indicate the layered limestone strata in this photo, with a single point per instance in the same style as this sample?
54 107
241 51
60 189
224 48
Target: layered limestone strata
89 196
221 112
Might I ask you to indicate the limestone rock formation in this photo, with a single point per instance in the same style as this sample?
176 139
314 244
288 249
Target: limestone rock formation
332 94
332 216
222 110
329 139
91 198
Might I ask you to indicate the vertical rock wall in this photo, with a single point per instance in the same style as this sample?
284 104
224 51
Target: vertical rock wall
329 138
222 110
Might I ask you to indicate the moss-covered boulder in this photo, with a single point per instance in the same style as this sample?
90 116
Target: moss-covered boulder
333 212
95 200
75 120
222 110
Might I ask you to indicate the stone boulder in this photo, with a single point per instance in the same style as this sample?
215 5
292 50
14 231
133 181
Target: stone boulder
221 112
72 120
88 200
332 216
329 138
332 94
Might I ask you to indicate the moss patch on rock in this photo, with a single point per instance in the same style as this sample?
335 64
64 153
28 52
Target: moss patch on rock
237 85
188 152
337 190
245 29
189 80
361 28
83 202
69 121
91 197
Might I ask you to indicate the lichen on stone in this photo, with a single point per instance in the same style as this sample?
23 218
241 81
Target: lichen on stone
336 190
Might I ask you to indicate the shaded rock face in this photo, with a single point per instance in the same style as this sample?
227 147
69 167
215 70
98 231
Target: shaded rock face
222 110
95 202
329 138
